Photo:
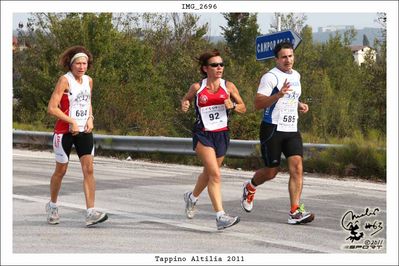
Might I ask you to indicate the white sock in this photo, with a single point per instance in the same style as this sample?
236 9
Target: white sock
90 210
52 204
193 199
219 214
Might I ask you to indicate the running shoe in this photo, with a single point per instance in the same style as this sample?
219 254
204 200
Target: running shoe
300 216
226 221
96 217
52 214
190 205
247 199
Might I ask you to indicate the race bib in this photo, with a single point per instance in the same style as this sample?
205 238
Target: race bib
287 121
214 117
80 116
79 109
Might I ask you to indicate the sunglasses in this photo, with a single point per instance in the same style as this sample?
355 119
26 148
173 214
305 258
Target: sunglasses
216 64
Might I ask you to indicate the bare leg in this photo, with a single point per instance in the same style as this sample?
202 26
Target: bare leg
89 183
56 180
265 174
296 179
211 174
202 183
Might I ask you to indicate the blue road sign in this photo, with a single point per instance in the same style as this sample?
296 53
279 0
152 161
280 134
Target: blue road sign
265 43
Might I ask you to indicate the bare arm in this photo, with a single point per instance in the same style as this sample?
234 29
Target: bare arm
90 121
54 103
263 101
303 107
235 95
185 102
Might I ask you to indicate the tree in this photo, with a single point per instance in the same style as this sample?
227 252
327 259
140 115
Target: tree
177 40
290 21
374 85
145 63
137 71
366 40
54 32
240 34
243 69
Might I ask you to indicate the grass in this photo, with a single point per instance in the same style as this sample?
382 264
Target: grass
31 127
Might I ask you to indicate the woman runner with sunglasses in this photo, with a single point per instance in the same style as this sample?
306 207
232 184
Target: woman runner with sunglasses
213 98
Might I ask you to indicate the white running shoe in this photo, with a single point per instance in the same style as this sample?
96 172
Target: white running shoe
190 205
226 221
247 198
96 217
52 214
300 216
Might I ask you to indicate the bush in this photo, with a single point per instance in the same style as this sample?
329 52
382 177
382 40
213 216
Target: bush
350 160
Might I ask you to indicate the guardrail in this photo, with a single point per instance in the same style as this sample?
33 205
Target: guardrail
237 148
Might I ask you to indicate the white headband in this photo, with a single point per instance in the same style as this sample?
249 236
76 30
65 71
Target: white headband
79 55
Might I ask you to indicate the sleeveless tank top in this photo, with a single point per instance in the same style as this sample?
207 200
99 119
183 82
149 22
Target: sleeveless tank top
211 113
75 103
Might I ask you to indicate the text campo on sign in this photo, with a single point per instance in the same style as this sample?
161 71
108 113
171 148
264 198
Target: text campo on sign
269 46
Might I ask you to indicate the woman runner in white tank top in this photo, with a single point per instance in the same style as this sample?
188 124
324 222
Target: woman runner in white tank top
70 103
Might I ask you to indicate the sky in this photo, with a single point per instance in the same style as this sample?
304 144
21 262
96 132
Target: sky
315 20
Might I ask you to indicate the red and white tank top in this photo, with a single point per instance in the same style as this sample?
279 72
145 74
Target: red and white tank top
75 103
211 111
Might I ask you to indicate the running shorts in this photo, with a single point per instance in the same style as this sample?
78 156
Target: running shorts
274 142
62 145
219 141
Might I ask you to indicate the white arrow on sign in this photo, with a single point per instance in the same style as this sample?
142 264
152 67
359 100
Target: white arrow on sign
265 44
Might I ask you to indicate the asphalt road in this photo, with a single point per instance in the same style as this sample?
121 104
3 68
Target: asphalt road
146 214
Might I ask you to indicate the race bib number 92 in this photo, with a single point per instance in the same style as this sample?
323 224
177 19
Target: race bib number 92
214 117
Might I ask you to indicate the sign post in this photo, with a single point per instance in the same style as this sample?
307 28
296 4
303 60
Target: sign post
265 44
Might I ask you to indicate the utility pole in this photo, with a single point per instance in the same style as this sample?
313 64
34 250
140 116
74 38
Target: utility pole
279 23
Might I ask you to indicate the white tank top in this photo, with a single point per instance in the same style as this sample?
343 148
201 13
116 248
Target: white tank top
79 97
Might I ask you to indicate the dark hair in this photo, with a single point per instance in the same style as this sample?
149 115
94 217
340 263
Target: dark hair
203 59
282 45
65 59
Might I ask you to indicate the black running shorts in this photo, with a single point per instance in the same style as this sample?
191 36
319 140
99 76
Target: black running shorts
62 145
274 142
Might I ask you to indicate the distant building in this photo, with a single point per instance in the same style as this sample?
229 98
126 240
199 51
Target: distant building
332 28
14 43
18 46
359 53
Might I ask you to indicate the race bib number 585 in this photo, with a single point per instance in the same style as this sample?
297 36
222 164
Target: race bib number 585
287 121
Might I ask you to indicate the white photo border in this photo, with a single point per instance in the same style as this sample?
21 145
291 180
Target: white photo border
8 8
